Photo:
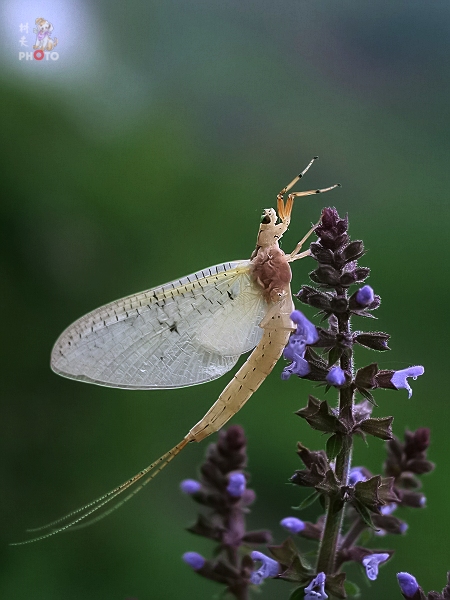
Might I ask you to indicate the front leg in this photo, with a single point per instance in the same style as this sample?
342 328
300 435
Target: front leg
296 254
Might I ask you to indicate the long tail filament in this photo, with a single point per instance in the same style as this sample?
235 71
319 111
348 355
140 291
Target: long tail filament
77 518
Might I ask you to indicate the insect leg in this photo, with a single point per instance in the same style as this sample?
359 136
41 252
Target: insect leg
294 255
284 212
301 255
299 176
312 192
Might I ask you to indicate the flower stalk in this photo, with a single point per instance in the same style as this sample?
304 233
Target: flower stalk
367 501
222 491
364 499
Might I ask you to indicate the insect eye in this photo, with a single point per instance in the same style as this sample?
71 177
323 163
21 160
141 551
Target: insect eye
265 219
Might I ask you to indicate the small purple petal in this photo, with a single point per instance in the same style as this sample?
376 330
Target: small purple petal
305 329
336 376
317 582
292 524
236 485
302 367
371 562
365 296
388 509
285 374
423 501
190 486
408 584
295 349
403 527
380 532
400 378
268 568
355 476
194 560
299 367
305 334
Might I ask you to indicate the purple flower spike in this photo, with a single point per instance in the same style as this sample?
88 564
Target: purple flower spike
400 378
292 524
305 329
316 594
371 562
190 486
408 584
336 376
355 476
236 485
194 560
268 568
365 296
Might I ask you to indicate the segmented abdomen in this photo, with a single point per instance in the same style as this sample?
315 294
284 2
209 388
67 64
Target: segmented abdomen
246 381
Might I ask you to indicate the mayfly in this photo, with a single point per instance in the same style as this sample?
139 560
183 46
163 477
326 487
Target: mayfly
187 332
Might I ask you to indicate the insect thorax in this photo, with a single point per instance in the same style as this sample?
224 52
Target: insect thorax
271 270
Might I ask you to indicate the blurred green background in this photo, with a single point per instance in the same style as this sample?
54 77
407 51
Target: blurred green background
145 152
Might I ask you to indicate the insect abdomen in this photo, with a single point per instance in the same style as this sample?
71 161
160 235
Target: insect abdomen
246 381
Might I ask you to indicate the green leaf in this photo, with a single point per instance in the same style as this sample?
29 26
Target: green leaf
320 417
311 408
297 572
307 501
352 589
368 396
295 569
298 594
284 553
334 355
364 513
334 446
331 488
366 492
335 585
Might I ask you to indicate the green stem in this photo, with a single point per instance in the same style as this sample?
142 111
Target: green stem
330 537
353 534
326 560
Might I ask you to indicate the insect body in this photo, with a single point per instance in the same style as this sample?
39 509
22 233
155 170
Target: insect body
187 332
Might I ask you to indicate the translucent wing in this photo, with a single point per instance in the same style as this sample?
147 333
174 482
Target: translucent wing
185 332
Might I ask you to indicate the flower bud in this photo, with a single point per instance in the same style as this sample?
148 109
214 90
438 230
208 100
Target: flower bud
194 560
292 524
336 376
236 485
408 584
190 486
365 296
